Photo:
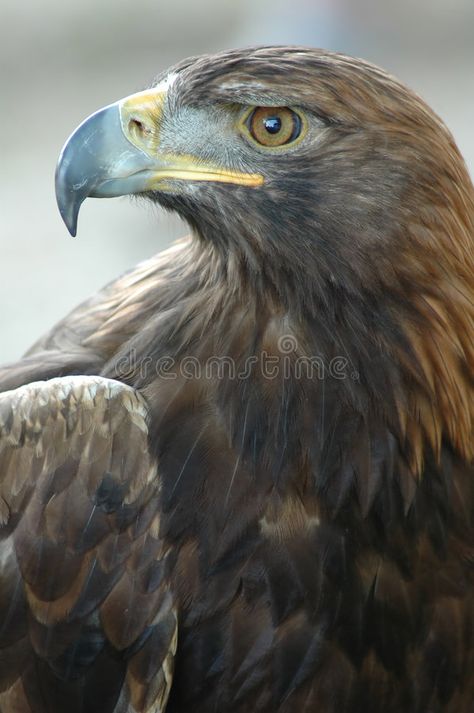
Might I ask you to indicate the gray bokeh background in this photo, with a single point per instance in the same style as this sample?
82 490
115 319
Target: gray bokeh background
62 59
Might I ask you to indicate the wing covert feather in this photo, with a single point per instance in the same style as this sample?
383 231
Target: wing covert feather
84 577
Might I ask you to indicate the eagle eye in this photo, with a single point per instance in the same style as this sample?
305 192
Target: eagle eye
273 126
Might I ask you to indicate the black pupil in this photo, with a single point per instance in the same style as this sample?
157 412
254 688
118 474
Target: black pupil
272 124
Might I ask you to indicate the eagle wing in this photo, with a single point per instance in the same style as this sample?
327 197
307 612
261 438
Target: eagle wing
87 618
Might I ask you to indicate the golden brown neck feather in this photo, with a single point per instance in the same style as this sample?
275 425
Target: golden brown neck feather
436 269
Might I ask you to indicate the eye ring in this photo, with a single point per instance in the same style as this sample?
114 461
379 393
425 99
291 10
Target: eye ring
274 127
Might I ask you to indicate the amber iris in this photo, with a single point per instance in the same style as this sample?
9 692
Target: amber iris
274 126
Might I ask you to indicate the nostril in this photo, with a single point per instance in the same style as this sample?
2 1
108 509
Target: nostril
137 127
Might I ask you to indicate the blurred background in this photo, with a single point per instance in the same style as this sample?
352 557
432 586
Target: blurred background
60 60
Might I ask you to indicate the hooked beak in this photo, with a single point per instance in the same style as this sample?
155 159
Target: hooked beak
116 151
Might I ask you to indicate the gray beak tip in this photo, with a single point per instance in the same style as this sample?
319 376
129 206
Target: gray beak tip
68 201
72 229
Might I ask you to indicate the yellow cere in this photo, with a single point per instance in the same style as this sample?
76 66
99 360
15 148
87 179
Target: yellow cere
140 115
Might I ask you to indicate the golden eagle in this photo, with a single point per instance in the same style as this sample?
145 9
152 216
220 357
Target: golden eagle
240 478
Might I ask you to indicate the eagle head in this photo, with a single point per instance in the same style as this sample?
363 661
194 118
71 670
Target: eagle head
326 163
